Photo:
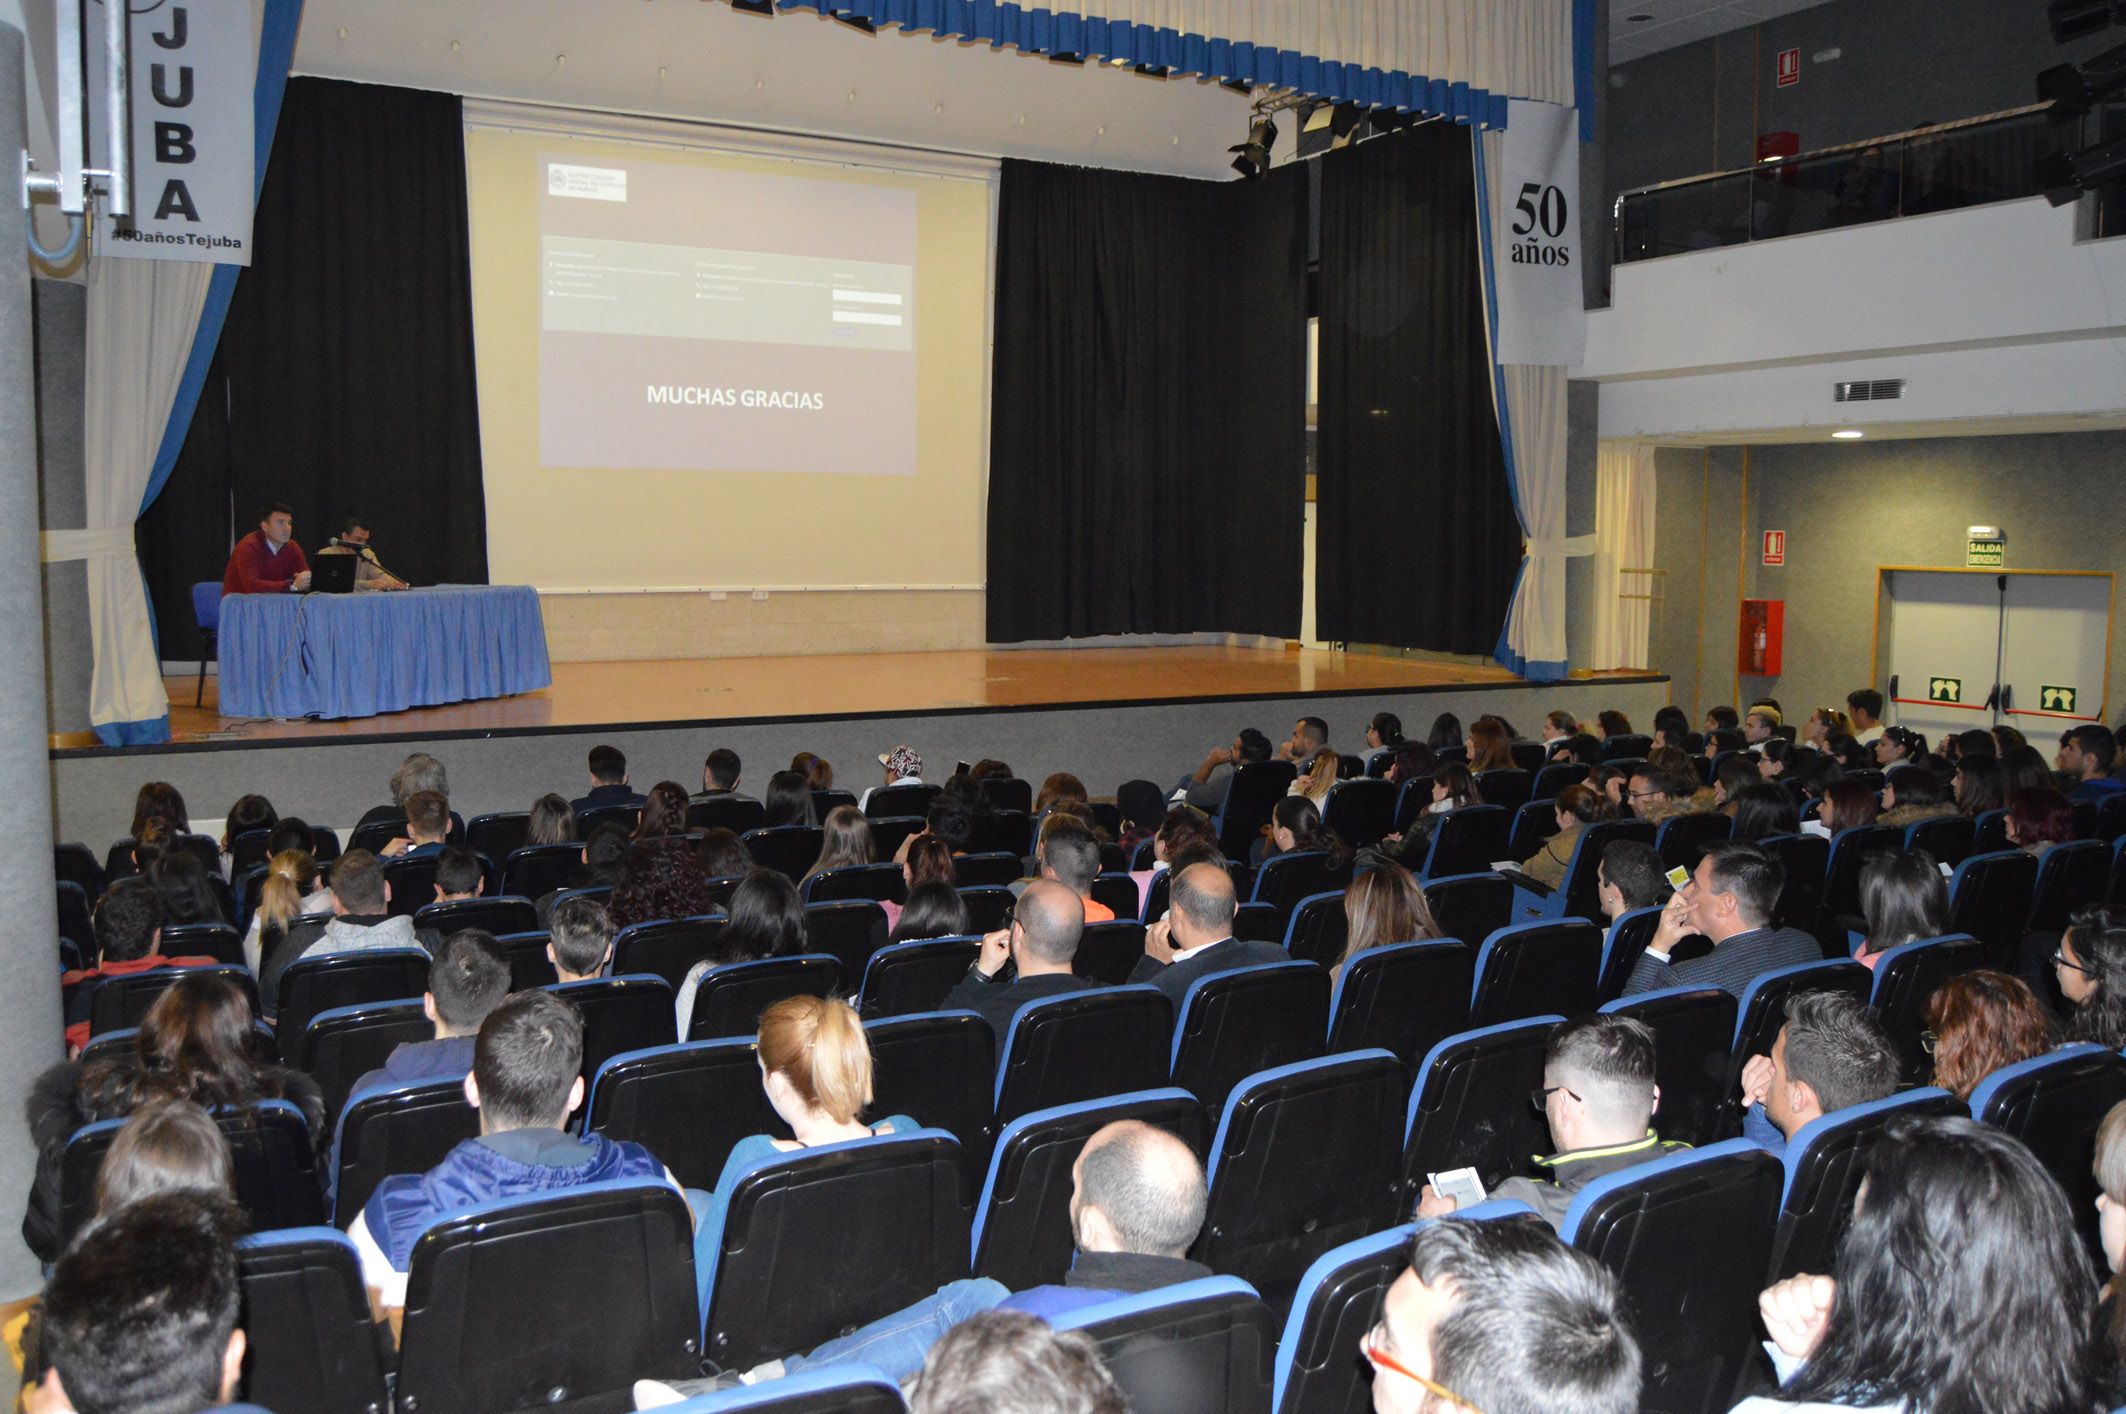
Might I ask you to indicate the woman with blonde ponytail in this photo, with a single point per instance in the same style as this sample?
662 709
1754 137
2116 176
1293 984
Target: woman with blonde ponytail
290 892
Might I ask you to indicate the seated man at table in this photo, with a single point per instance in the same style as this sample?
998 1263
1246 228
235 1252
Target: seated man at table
369 571
268 561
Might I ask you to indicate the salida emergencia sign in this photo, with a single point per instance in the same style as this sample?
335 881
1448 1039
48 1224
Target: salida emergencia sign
195 63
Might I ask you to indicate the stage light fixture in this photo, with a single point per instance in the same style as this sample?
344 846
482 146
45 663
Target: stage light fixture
2074 90
1344 124
1253 156
2073 19
2065 176
765 8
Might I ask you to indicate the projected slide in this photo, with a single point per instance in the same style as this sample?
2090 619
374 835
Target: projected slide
697 319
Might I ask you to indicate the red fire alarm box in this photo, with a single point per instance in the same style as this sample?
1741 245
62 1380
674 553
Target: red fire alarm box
1763 637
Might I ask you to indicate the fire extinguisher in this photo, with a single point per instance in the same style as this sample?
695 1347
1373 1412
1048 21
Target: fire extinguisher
1758 644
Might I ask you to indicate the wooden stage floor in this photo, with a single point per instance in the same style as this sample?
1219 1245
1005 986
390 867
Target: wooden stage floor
677 692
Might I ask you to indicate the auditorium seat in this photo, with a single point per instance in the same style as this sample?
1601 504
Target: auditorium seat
988 909
375 834
1469 1104
620 1013
1532 969
1823 1167
1533 825
825 802
1580 896
537 870
849 1388
497 834
903 801
1989 899
1306 1156
529 966
277 1182
1555 777
1403 998
1109 952
1505 785
2054 1103
738 814
1467 841
1256 788
597 893
499 915
1202 1347
1022 1225
1258 922
77 864
992 869
394 1129
216 940
1905 978
1083 1046
1413 795
1470 905
1946 837
1010 832
728 1000
119 1002
1622 944
1850 849
312 985
1627 746
1317 930
818 1241
915 976
888 834
1683 839
1361 812
789 850
1694 1033
589 822
1247 1019
939 1069
1763 1002
309 1341
1654 1226
77 930
666 947
248 850
342 1045
2070 878
412 884
2116 896
1285 879
1807 860
1989 833
551 1300
849 930
2110 818
1118 891
877 883
686 1103
1007 793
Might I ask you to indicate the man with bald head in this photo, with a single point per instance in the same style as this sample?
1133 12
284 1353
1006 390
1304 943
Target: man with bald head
1026 961
1196 938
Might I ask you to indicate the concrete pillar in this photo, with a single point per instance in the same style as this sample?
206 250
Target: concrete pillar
30 1029
62 314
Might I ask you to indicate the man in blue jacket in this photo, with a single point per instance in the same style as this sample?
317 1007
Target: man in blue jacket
525 1082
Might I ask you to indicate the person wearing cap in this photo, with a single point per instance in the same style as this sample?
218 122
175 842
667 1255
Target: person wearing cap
903 768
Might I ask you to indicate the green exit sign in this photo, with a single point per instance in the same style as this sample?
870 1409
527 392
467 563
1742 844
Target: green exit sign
1945 689
1985 554
2056 699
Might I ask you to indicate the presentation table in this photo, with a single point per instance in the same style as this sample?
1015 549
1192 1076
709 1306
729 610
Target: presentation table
356 655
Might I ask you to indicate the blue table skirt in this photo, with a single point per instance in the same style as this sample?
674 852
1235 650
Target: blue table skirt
355 655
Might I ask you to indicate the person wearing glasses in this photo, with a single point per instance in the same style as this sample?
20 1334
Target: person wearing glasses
1599 1096
1501 1316
2090 967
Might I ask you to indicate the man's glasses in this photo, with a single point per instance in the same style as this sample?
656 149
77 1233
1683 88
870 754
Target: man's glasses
1644 794
1382 1360
1541 1098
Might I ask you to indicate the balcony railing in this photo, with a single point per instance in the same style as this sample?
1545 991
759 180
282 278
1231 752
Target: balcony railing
1941 168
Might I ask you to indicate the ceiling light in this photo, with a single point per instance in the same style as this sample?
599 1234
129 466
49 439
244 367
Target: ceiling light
1849 434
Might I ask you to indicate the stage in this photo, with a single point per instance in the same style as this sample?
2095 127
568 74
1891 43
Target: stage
1107 714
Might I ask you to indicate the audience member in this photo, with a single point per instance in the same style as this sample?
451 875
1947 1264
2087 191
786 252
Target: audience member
923 858
1383 906
720 776
1721 719
609 786
788 801
605 858
1979 1022
418 772
1206 787
1296 828
664 812
1384 736
290 891
2090 967
1577 808
1599 1097
1737 771
157 800
458 875
1027 960
1453 787
1490 749
1068 852
128 925
1846 805
1195 939
1823 724
1904 899
1502 1317
845 841
1898 744
1911 794
818 771
1763 810
1581 748
166 1146
767 920
1729 900
359 923
2108 1165
525 1081
1612 723
1981 785
427 828
903 768
720 854
1560 724
661 880
1961 1284
1413 759
1831 1053
1613 783
1142 808
250 814
2026 769
1181 826
291 832
1007 1362
1310 737
1864 708
1629 876
1058 788
467 980
1656 794
2006 739
934 910
1319 778
140 1316
196 1043
1446 735
552 821
579 942
1760 725
2087 753
1774 755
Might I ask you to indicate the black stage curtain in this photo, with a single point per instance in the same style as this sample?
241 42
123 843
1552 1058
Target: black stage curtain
1416 540
1147 450
343 383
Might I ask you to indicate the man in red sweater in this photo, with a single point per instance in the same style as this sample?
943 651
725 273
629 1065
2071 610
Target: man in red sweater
267 561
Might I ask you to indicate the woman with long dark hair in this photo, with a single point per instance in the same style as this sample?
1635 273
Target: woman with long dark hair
767 920
1764 810
664 812
552 821
188 896
155 801
1295 825
1446 732
2090 966
788 800
660 880
1490 748
1962 1287
845 840
1904 899
1578 807
2038 819
934 910
1981 785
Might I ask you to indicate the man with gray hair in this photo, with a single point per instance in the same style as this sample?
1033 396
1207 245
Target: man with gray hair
1196 938
1831 1053
416 773
1027 960
1599 1096
1007 1362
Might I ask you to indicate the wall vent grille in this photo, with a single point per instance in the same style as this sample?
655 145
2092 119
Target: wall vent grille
1880 390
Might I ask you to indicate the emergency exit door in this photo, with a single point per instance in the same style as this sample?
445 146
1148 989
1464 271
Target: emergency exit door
1972 649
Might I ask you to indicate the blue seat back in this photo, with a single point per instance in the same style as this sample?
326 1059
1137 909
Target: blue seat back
536 870
529 966
1109 952
1361 811
1256 788
1022 1225
987 907
1946 837
1683 839
1468 841
992 869
1203 1347
310 1342
1317 929
551 1298
620 1013
395 1129
899 801
1505 785
1403 998
1807 860
2070 878
1083 1046
937 1067
2054 1103
499 915
1653 1225
820 1240
1763 1008
1581 893
1694 1029
915 976
206 604
1823 1166
686 1103
1285 879
1622 944
1850 849
1534 969
665 947
1906 978
789 850
276 1167
216 940
1534 823
1469 1104
1470 906
346 1043
1333 1309
318 984
1246 1019
728 1000
1306 1156
876 883
1989 899
498 833
1554 777
835 1389
848 930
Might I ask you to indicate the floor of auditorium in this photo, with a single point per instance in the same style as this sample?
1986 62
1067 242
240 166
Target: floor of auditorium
681 692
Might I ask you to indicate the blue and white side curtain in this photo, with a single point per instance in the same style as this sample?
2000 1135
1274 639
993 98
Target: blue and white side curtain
1527 189
1460 59
152 328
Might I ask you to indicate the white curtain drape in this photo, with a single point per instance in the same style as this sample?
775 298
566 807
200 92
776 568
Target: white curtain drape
142 318
1624 541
